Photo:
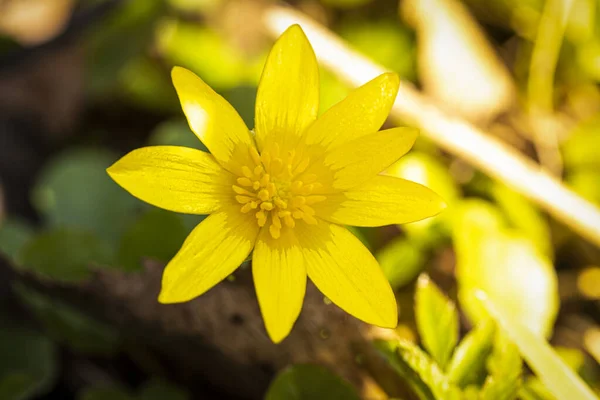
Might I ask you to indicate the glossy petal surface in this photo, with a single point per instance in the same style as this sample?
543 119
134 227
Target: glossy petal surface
384 200
346 272
359 160
288 93
361 113
280 281
214 249
213 120
175 178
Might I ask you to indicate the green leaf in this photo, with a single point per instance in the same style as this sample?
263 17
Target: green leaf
105 394
145 83
583 145
134 20
205 52
553 372
243 100
384 40
533 389
28 362
153 390
507 266
523 216
345 3
585 183
401 261
17 386
505 368
468 361
68 326
437 321
309 382
420 372
14 233
63 254
333 90
75 191
158 390
156 234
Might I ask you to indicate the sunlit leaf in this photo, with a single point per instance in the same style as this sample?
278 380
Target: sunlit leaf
505 368
333 90
506 265
63 254
345 3
205 52
525 217
401 261
386 41
585 183
309 382
420 372
583 145
197 6
437 321
556 375
468 361
533 389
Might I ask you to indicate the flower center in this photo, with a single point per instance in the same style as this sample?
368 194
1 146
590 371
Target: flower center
276 189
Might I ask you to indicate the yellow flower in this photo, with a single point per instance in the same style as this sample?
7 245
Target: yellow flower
284 190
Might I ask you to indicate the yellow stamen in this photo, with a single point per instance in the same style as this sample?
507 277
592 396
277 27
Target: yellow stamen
268 186
264 195
244 181
246 171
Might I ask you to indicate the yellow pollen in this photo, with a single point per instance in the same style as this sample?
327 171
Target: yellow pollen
264 195
247 172
271 187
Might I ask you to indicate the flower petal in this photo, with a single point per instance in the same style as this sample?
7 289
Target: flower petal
214 249
213 120
280 280
359 160
346 272
362 112
175 178
384 200
288 93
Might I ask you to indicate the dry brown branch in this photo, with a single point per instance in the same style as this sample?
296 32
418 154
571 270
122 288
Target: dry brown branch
452 134
218 340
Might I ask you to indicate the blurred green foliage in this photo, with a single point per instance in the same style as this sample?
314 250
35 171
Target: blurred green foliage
502 243
153 390
28 362
307 382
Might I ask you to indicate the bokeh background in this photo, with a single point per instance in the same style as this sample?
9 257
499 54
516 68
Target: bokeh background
84 82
